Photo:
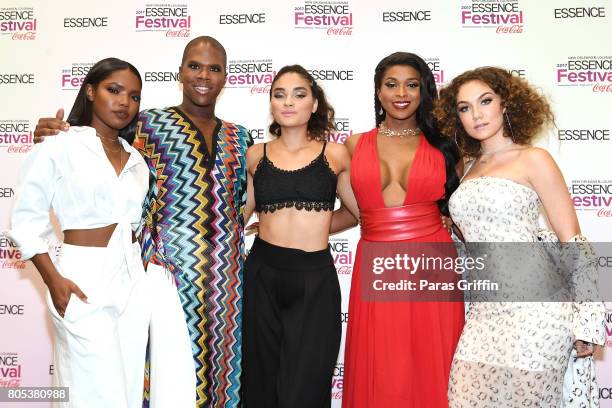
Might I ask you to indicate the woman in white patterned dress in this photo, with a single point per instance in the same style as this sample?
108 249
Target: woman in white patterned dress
511 354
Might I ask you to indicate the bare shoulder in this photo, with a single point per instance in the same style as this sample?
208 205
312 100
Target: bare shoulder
351 142
338 152
540 167
254 155
538 159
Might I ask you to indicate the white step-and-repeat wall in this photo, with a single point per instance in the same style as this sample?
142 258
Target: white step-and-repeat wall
46 48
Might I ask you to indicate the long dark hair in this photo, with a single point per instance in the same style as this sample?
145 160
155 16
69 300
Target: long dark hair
321 123
424 115
81 113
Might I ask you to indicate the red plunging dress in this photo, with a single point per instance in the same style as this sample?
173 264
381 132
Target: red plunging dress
398 354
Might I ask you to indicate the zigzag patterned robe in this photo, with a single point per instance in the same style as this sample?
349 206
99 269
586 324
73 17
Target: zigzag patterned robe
194 229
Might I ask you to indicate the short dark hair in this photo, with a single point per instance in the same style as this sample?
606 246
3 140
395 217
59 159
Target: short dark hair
321 122
81 112
206 40
424 115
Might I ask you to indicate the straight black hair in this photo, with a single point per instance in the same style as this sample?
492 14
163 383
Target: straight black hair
81 113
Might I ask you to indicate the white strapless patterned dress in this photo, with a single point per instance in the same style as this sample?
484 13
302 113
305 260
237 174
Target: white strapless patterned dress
511 354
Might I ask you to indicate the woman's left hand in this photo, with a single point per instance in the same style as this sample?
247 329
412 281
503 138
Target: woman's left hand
252 229
447 223
583 349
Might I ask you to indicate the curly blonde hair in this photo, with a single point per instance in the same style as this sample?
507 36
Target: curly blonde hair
526 109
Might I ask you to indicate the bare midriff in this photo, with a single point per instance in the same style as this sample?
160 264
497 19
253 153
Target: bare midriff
93 237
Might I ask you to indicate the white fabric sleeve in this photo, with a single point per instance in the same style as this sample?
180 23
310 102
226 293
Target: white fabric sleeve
30 222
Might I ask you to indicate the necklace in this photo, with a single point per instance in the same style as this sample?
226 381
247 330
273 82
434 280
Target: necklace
493 151
385 131
108 150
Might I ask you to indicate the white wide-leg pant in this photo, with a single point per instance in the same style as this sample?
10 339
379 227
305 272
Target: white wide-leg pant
172 367
100 346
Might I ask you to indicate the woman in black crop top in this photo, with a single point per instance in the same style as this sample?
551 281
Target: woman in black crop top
291 310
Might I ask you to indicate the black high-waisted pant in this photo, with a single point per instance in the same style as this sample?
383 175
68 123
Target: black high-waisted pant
291 327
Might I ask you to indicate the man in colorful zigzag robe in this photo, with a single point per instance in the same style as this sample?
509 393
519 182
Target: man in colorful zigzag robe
193 236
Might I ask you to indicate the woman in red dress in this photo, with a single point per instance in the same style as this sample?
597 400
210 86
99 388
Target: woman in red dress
398 354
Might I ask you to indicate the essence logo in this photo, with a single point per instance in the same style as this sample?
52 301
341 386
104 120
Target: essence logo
73 77
255 75
343 131
517 72
10 370
11 310
85 22
16 136
506 16
7 192
250 18
18 22
335 17
591 71
343 255
584 135
594 196
580 12
173 20
161 76
332 74
17 79
257 134
401 16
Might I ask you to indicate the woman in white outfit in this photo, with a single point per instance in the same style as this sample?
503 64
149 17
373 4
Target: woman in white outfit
95 183
514 354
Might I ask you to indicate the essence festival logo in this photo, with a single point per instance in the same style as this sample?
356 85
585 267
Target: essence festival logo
338 382
161 76
10 255
254 75
584 135
335 17
406 16
580 12
86 22
594 196
73 77
343 131
172 19
18 22
16 136
436 70
10 370
242 18
592 71
343 255
609 328
505 16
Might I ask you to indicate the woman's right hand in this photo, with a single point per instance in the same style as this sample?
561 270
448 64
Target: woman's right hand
50 126
60 290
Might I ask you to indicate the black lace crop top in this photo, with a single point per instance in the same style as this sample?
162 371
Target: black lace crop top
312 187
